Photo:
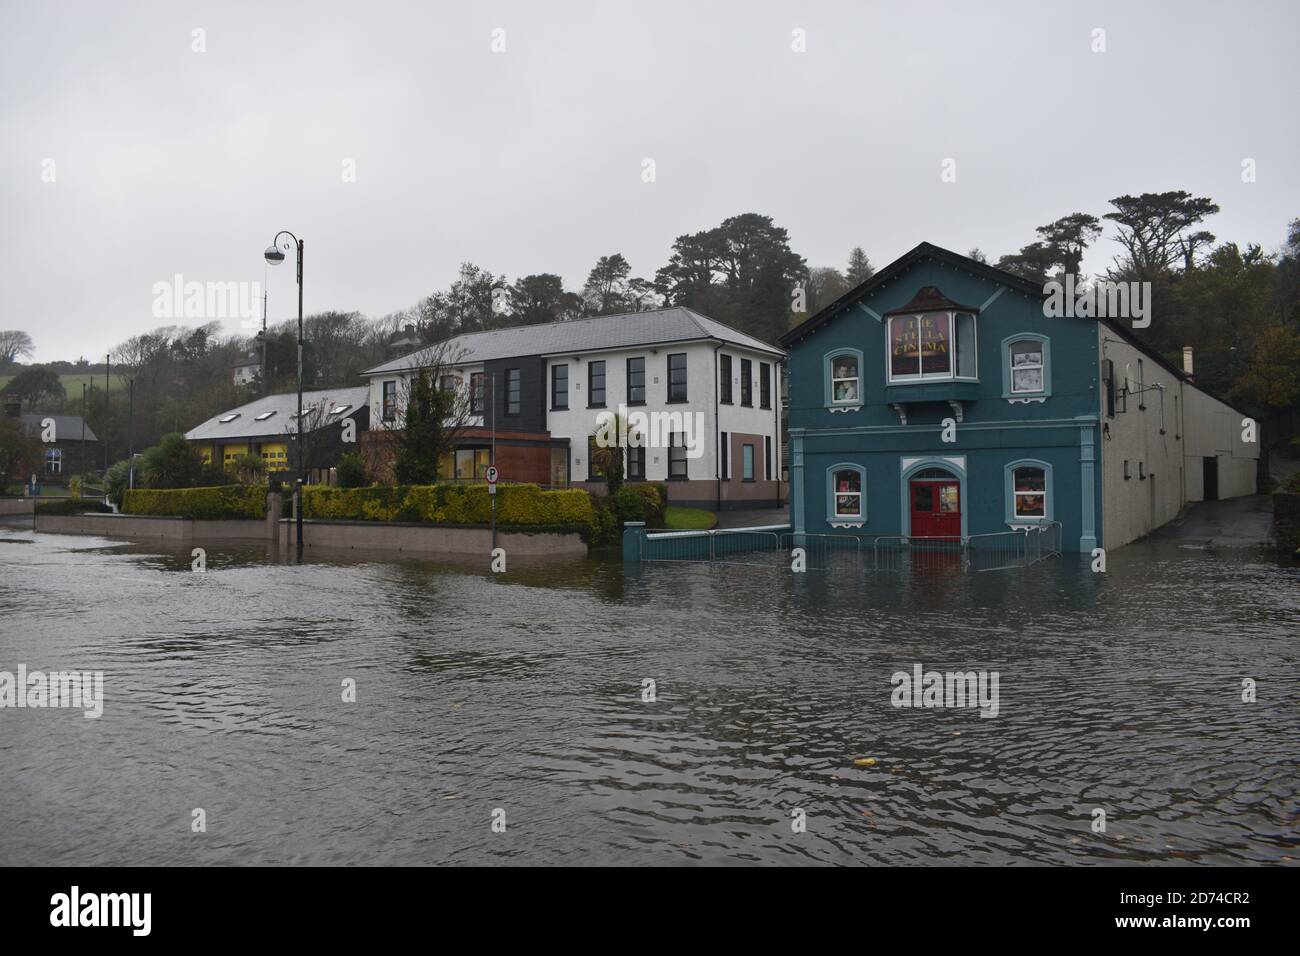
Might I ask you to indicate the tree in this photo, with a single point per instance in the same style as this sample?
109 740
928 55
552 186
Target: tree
15 343
432 417
249 469
351 471
1151 227
860 268
1033 262
1068 237
606 285
172 463
539 298
34 385
742 272
824 286
978 255
469 305
20 453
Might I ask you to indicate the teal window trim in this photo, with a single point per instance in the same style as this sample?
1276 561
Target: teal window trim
846 521
1009 486
827 378
1046 391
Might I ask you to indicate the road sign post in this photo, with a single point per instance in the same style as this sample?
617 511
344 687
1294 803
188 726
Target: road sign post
492 475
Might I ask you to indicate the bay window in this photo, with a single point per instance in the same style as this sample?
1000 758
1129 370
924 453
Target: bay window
932 346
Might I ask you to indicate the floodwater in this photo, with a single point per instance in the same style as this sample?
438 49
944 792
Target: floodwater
517 698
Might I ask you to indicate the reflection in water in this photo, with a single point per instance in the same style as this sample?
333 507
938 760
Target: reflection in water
523 691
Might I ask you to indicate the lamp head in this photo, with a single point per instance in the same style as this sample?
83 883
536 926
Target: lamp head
273 255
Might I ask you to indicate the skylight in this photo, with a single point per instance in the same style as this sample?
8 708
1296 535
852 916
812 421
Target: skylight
339 409
224 419
264 416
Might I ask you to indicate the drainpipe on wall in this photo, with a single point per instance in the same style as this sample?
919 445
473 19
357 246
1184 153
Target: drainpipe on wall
776 427
717 432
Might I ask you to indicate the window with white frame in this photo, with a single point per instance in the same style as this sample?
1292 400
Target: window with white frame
932 346
1029 492
1026 368
846 379
847 503
54 461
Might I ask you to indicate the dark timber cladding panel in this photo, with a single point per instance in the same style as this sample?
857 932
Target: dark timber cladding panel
532 393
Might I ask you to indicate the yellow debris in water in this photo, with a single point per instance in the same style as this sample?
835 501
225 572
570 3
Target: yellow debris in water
865 762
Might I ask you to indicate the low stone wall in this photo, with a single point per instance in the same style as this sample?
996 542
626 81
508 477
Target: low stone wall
180 530
427 539
17 506
1286 521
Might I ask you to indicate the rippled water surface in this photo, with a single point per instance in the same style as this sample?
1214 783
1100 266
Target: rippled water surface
523 692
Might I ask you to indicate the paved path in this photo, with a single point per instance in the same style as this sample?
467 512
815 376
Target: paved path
751 519
1234 523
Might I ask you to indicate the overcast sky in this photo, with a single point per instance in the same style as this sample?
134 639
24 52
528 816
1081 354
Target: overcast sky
167 160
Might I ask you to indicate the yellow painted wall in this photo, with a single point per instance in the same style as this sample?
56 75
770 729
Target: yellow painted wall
232 452
276 455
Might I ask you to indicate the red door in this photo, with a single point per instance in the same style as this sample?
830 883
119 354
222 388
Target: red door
936 509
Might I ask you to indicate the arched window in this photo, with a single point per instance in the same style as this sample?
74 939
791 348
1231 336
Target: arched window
844 380
1028 492
1026 368
846 496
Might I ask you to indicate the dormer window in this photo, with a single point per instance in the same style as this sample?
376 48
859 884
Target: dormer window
931 339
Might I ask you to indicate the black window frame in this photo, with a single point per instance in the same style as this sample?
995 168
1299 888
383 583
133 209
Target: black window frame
556 395
725 463
673 459
684 382
632 375
591 383
513 392
746 383
635 459
724 378
767 457
477 393
388 401
764 385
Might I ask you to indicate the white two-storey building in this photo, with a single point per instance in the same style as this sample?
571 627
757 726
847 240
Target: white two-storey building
693 402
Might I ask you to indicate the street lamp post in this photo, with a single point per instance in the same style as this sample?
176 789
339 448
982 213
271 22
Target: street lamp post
274 256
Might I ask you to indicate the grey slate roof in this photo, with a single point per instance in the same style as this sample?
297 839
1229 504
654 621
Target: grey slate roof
66 427
626 330
246 425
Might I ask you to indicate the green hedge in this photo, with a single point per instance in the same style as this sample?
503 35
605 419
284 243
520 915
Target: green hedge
204 504
72 506
452 504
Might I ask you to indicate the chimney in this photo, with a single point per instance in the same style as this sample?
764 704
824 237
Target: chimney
13 407
410 329
1188 369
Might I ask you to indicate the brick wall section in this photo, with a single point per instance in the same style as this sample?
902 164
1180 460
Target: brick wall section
517 462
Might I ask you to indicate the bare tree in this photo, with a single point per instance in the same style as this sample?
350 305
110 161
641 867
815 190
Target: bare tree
14 343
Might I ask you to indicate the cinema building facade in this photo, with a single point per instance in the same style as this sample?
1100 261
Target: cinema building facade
937 399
